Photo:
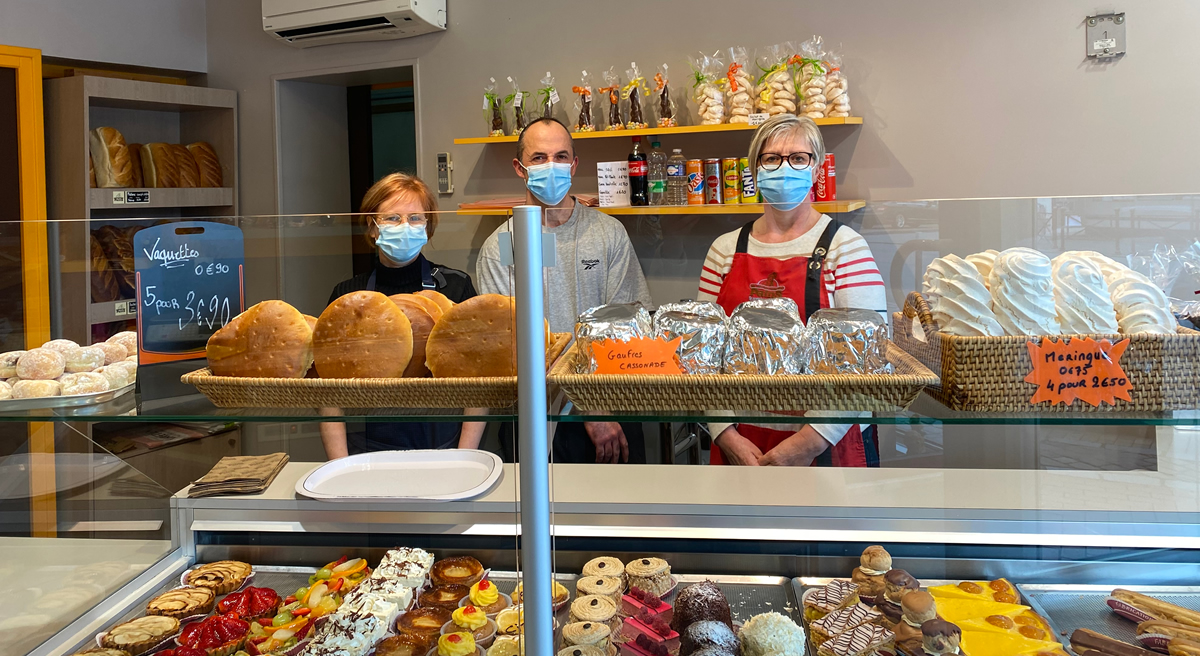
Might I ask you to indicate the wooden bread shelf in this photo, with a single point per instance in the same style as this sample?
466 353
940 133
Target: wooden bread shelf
661 132
832 207
103 199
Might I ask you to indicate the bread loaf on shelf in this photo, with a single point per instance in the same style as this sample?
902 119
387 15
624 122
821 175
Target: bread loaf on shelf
91 174
118 249
159 169
271 339
110 158
135 156
207 163
189 175
105 287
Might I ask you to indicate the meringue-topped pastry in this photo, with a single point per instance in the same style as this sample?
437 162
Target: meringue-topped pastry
961 302
983 262
1081 296
1141 305
1022 293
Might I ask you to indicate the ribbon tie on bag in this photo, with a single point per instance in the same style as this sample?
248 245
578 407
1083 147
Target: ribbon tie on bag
733 69
586 92
638 82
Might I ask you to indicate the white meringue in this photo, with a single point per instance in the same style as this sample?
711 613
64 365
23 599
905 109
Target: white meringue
1022 293
1141 305
984 262
1109 268
961 303
1081 297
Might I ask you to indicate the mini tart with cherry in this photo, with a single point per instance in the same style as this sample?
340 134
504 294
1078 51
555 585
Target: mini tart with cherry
251 603
352 570
460 570
443 596
485 596
139 635
999 590
423 623
222 577
182 602
219 635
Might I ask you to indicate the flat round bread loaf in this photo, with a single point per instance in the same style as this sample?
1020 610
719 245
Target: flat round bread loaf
437 297
270 340
475 339
422 323
312 321
430 306
362 335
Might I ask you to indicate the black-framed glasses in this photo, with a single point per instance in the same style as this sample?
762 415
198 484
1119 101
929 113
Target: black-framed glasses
418 220
772 161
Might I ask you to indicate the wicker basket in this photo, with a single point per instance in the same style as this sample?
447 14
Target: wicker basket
987 374
674 393
233 392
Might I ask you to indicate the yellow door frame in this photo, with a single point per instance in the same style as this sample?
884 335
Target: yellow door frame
31 155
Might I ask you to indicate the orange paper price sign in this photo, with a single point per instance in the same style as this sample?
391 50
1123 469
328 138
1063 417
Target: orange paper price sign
1081 368
641 355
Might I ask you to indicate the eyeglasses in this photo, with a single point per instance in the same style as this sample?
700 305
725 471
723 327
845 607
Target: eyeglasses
798 161
418 220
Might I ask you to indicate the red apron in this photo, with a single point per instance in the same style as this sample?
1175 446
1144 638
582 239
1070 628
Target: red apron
802 280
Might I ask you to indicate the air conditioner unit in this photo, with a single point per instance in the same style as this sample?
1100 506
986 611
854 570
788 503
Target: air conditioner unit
307 23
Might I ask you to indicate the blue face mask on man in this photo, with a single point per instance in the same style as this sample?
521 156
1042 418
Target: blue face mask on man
785 188
548 182
401 243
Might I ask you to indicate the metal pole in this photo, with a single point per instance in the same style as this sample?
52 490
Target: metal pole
531 412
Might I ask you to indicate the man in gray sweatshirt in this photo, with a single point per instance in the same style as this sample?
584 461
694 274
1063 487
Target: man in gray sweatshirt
596 264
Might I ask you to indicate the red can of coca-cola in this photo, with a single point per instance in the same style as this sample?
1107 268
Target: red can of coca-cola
826 188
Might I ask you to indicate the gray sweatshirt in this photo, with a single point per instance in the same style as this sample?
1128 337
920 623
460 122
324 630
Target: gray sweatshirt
596 265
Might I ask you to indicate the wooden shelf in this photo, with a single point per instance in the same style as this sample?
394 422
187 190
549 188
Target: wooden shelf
661 132
834 207
102 199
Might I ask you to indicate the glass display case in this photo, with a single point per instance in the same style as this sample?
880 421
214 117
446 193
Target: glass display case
1065 501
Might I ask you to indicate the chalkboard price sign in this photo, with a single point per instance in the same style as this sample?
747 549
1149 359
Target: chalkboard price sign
189 285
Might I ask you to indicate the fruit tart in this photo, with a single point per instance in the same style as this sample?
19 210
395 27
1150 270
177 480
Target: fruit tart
182 602
219 635
443 596
138 636
251 603
354 571
424 623
460 570
103 652
278 634
222 577
322 598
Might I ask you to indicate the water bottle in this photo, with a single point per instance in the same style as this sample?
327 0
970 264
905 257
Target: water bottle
658 174
677 185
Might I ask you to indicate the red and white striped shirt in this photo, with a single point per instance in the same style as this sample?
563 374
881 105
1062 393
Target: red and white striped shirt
852 278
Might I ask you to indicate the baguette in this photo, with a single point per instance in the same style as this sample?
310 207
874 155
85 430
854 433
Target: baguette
207 162
135 156
1183 647
1157 608
189 175
158 166
110 158
1170 629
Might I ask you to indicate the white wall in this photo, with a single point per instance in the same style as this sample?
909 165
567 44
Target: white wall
166 34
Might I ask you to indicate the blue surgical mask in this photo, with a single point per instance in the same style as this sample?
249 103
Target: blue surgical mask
549 182
785 188
401 243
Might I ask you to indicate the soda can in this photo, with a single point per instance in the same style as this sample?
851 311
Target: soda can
749 192
695 180
826 188
731 183
712 182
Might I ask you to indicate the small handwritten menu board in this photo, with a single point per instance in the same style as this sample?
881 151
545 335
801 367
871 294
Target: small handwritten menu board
613 180
189 285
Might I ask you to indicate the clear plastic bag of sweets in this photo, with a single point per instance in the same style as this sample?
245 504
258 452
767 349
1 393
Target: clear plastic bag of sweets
666 106
584 104
517 100
612 86
706 90
492 110
548 96
812 79
836 87
741 86
634 90
776 88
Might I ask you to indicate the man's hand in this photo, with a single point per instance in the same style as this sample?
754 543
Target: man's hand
609 441
797 450
737 449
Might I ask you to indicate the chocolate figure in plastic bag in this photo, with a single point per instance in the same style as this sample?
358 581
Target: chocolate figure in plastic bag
612 86
549 96
584 122
517 99
634 90
666 108
491 103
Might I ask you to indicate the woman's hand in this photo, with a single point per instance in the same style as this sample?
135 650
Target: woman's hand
333 435
609 440
799 450
737 449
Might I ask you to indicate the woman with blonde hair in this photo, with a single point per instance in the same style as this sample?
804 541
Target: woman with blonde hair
401 216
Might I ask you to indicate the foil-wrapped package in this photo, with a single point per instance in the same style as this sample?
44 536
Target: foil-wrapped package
622 322
701 329
766 336
846 341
